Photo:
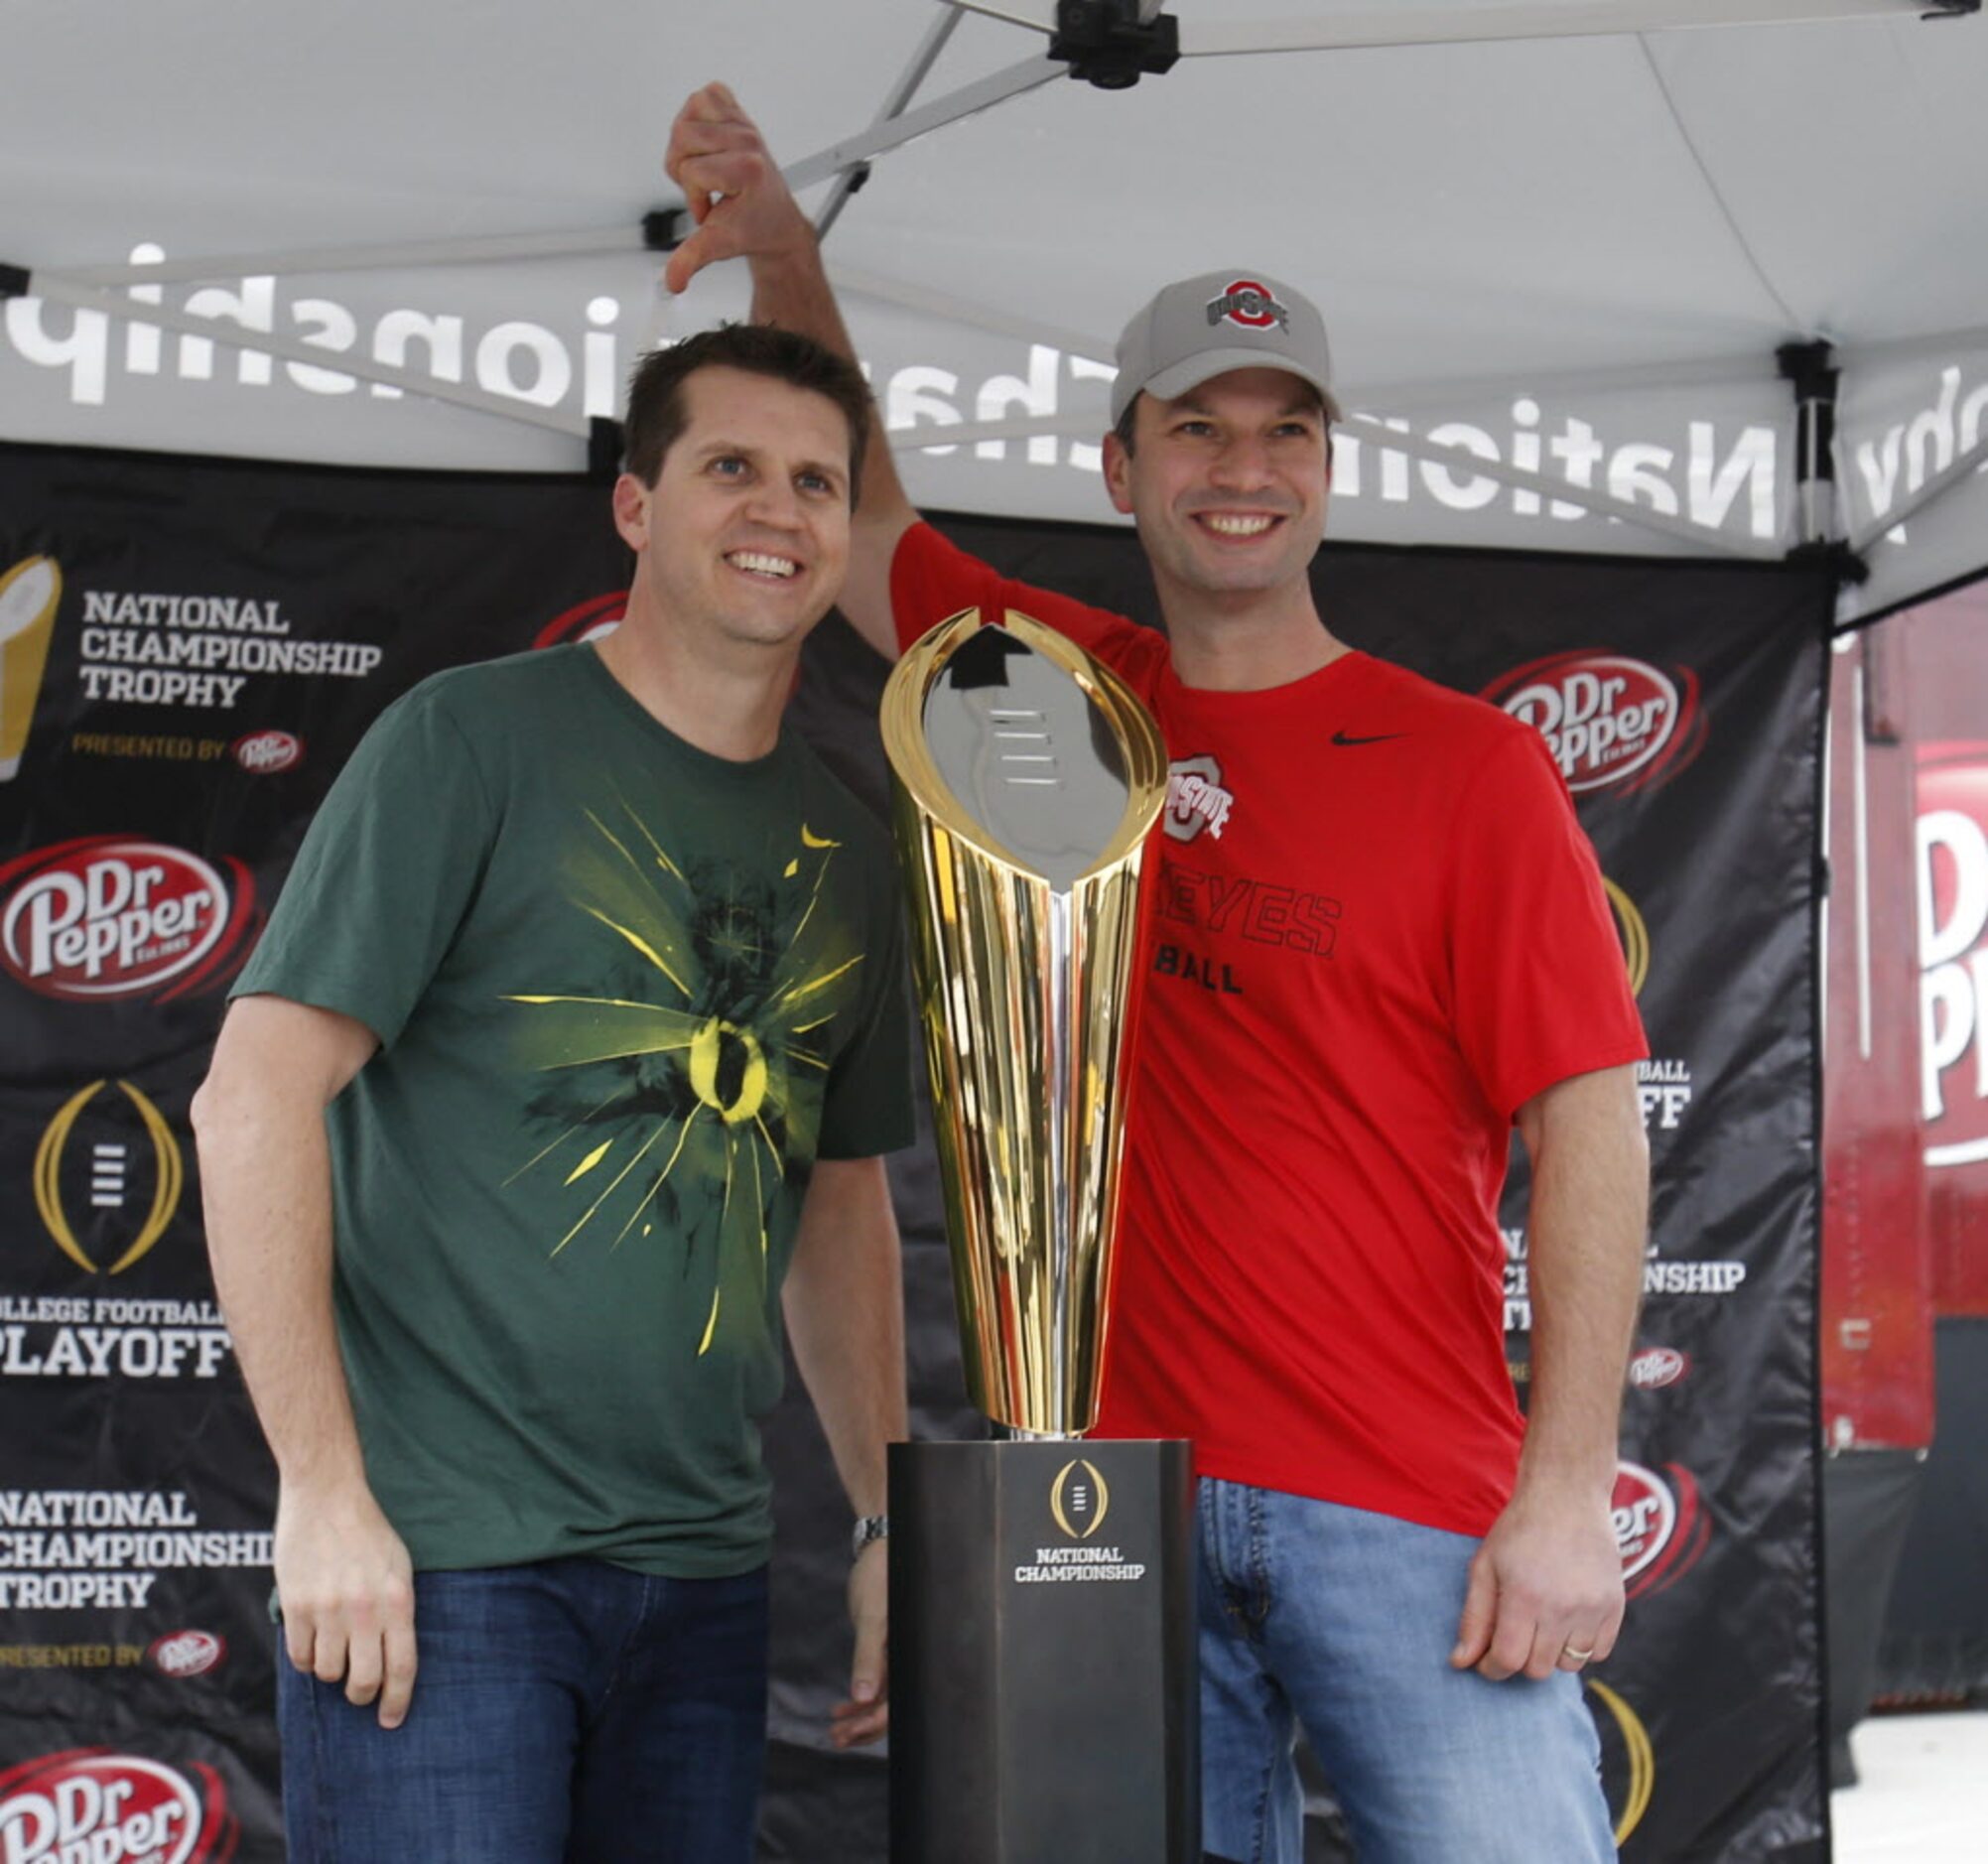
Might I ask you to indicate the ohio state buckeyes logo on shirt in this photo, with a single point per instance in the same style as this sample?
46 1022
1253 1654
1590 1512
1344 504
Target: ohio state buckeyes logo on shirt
1195 799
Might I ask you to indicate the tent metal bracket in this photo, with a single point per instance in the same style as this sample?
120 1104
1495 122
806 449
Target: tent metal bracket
1113 43
1834 555
664 229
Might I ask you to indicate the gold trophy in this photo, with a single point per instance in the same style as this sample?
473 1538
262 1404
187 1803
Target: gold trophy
1027 778
1042 1667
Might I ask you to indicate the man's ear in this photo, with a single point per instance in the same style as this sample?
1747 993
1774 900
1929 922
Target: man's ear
1117 474
631 511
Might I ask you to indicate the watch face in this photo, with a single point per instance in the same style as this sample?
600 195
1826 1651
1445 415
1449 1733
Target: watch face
870 1528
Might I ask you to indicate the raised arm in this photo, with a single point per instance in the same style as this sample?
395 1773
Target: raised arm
744 209
843 1300
1545 1588
342 1572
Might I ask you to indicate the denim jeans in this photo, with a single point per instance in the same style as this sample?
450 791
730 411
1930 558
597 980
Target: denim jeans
568 1712
1342 1622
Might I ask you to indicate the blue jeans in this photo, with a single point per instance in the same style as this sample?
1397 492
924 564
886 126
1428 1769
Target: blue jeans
568 1712
1342 1622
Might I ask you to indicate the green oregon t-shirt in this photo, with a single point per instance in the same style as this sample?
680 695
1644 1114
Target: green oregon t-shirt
626 994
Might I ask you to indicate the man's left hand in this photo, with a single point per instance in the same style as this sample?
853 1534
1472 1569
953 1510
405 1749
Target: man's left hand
1545 1587
865 1716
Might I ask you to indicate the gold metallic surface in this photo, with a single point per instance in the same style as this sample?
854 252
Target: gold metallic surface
1029 1123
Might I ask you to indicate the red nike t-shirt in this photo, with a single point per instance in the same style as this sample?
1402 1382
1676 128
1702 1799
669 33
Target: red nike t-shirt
1375 930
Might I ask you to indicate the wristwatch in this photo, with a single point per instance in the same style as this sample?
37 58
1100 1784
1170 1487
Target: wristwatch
870 1528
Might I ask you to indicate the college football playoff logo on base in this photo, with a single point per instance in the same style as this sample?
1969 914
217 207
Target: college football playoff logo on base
1079 1499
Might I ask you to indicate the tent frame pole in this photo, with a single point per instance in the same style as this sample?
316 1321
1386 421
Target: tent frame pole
1431 22
582 242
1974 460
896 103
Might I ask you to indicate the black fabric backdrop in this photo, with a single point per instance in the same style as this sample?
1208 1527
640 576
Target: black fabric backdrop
178 744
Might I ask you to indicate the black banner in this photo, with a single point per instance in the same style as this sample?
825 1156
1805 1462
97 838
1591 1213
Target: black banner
189 650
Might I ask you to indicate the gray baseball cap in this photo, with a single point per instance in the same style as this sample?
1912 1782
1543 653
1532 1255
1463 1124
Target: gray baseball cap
1201 328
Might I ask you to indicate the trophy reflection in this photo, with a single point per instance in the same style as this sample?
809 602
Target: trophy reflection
1042 1671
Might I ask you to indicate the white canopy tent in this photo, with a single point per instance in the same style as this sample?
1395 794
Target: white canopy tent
1560 245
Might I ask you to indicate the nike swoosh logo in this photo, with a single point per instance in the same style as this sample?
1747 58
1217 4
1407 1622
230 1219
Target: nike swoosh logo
1339 737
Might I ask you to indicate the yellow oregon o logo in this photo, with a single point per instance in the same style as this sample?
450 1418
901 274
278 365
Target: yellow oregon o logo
167 1182
1642 1760
1072 1491
728 1070
1635 936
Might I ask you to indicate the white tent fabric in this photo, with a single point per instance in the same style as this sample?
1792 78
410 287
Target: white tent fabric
1556 269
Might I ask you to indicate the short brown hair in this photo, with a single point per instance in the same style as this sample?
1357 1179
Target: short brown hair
657 415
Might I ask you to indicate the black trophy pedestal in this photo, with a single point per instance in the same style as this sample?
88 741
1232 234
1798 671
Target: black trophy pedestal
1043 1705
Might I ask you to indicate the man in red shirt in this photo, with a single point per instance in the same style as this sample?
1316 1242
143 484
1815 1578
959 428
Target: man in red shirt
1379 940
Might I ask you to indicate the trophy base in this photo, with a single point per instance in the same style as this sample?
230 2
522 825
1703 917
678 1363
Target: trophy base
1043 1680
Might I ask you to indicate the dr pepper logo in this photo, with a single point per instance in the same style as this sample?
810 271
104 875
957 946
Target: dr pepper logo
1656 1366
111 916
587 621
182 1654
1952 855
1660 1527
89 1805
1608 720
263 753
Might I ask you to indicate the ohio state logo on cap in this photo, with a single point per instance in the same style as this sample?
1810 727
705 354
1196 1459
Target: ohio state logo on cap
1243 301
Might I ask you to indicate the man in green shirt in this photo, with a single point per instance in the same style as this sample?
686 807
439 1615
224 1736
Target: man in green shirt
564 1069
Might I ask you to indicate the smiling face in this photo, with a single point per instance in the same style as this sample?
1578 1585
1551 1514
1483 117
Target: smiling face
1226 483
743 537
